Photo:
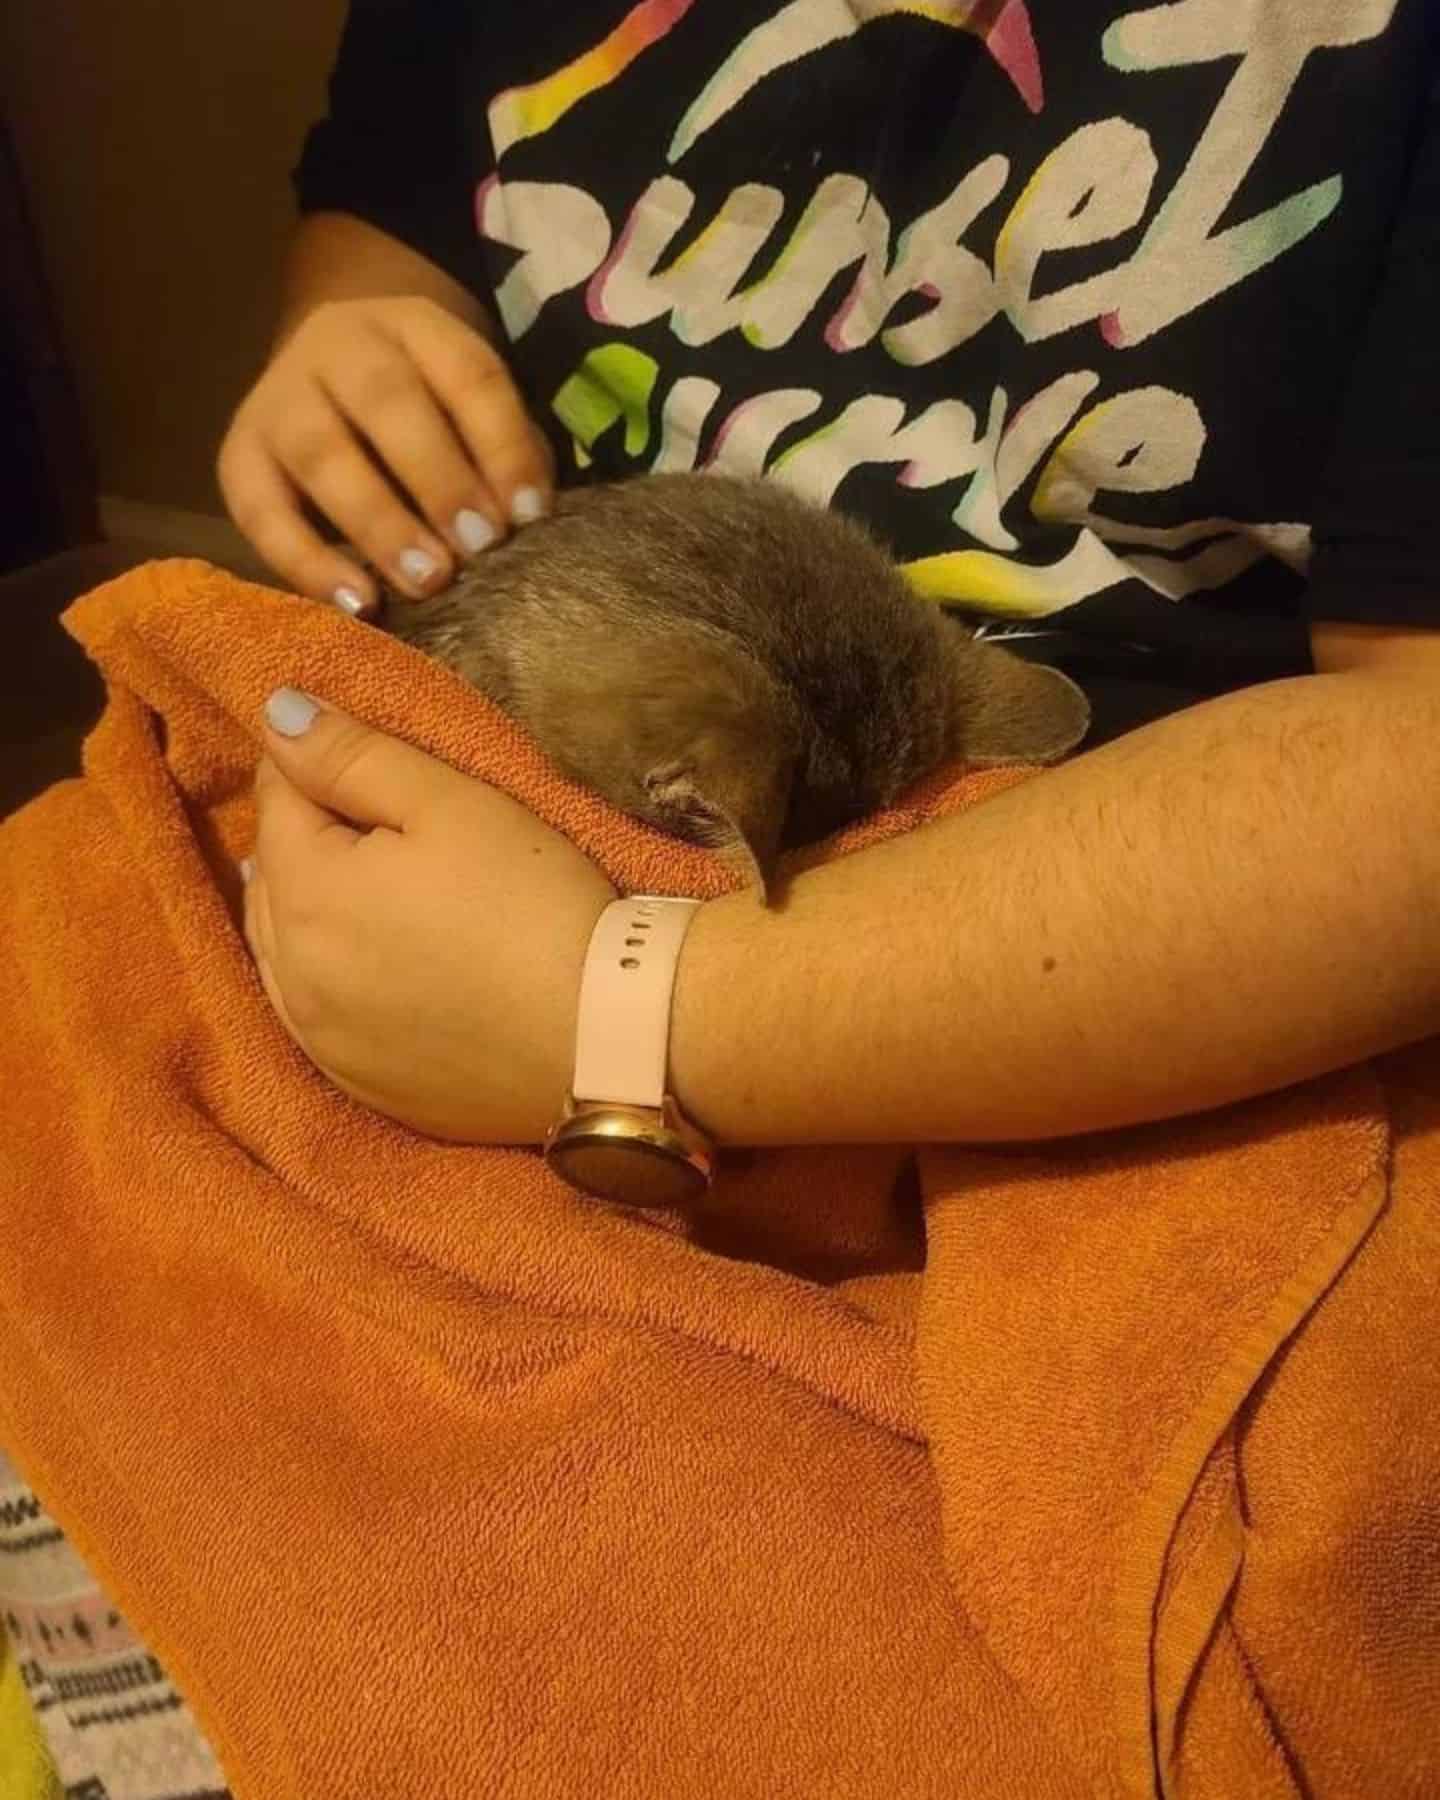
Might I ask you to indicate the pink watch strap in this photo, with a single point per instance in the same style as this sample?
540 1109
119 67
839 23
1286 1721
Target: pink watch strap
622 1036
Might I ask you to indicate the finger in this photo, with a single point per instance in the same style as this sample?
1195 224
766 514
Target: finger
474 386
345 770
266 508
387 400
259 929
256 921
292 832
319 452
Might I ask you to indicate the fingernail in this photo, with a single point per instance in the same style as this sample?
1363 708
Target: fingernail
474 531
290 712
527 504
352 601
418 566
247 869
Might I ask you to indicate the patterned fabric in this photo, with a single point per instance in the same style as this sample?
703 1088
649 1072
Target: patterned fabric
1115 320
115 1726
26 1769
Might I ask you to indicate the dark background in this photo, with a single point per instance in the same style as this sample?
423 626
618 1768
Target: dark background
50 546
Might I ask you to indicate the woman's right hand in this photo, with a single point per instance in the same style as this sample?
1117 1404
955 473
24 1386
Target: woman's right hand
364 397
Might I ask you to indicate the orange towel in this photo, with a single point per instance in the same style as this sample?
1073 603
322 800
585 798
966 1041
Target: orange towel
1106 1468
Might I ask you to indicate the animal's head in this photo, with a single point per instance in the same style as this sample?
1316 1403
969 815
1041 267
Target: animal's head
821 691
1008 710
903 689
725 754
734 665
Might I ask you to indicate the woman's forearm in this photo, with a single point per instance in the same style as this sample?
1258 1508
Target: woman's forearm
336 256
1233 899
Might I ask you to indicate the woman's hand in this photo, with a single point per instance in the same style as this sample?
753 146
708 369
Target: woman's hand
365 396
420 934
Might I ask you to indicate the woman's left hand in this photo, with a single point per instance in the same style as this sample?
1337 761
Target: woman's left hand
420 934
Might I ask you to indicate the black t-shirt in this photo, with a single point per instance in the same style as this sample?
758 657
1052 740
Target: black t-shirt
1118 323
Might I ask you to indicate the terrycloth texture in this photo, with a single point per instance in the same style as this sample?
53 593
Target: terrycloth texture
1111 1470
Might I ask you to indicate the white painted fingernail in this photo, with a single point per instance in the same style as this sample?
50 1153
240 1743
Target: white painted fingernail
352 601
474 531
527 504
418 566
247 869
290 712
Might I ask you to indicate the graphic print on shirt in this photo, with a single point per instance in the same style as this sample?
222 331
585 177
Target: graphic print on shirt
1029 474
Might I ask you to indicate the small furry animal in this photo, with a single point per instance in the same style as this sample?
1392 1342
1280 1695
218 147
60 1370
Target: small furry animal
734 665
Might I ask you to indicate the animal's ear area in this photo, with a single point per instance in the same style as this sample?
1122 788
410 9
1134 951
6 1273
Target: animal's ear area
1013 711
748 837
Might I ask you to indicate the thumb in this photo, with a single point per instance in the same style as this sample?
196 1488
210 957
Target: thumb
351 769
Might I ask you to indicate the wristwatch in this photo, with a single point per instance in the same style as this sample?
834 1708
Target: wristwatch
622 1137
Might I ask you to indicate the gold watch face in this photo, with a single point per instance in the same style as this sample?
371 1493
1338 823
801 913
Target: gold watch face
629 1157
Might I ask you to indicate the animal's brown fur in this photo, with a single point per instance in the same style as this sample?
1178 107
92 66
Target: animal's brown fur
730 663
